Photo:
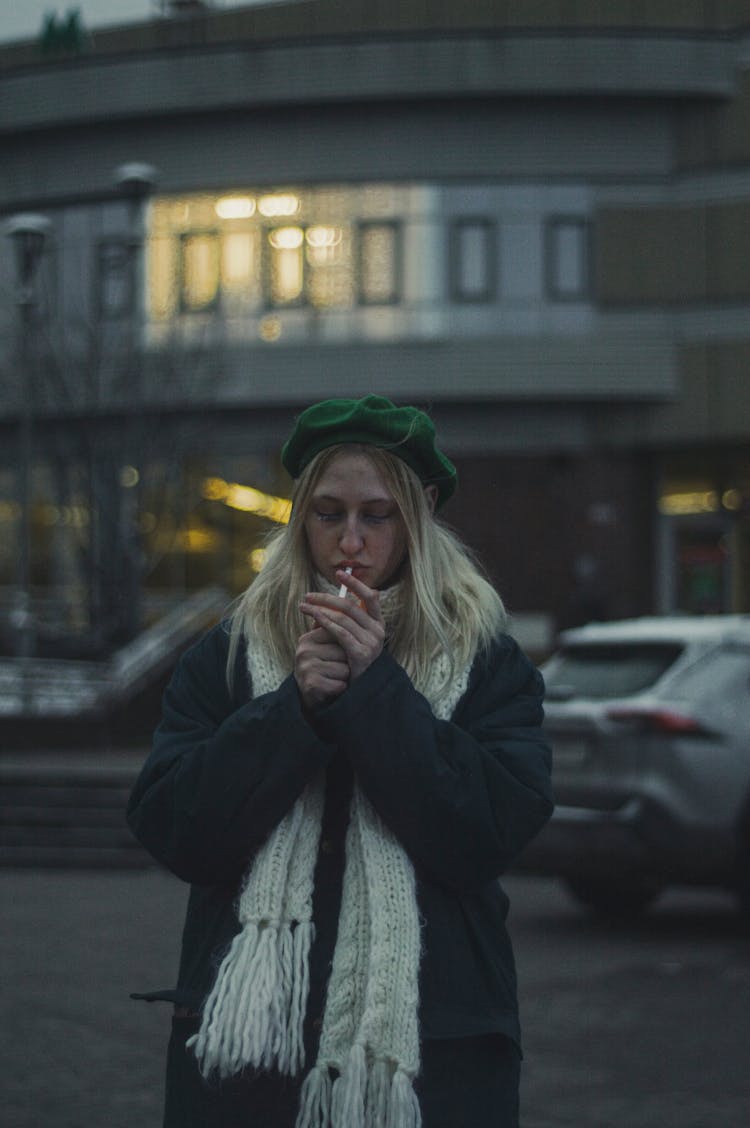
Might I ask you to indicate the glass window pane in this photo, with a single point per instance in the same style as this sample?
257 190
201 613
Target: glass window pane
200 271
379 266
240 267
286 265
602 671
115 279
329 246
473 264
161 266
330 274
567 258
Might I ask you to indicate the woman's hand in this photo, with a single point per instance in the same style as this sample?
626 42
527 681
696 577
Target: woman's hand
356 626
321 669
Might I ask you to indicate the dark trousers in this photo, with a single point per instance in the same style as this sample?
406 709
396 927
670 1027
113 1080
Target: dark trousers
464 1083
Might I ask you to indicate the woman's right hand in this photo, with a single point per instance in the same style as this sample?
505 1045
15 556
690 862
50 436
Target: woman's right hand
320 668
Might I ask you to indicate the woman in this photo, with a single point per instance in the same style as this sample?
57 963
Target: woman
341 773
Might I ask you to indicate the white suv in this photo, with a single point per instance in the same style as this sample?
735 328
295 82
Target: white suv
649 722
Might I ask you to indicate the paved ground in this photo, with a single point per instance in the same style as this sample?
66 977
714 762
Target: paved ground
644 1025
639 1027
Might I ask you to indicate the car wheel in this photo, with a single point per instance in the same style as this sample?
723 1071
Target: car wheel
614 899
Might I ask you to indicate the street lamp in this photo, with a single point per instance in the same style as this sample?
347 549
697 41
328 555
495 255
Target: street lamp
29 234
136 182
136 179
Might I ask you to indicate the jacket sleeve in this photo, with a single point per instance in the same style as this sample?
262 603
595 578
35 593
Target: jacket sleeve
221 774
462 796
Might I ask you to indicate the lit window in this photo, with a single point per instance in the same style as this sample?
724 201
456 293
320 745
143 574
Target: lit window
327 247
567 258
379 263
330 268
279 204
162 277
286 268
240 266
200 271
235 207
473 259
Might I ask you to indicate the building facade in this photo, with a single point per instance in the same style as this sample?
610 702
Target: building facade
533 219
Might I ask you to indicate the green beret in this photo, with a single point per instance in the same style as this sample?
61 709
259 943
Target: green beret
404 431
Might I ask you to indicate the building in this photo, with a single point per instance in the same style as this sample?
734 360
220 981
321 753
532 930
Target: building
531 218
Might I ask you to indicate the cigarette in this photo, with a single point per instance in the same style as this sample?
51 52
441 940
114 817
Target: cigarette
344 589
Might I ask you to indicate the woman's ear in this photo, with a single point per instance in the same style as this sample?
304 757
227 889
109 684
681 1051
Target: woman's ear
431 494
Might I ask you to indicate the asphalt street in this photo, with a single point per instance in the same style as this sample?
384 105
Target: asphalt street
639 1026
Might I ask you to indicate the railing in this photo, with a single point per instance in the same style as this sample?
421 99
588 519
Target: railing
62 688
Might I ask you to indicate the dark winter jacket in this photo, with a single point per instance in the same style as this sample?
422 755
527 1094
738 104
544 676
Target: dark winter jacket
463 797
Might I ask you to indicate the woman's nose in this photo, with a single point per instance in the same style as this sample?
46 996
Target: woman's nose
351 538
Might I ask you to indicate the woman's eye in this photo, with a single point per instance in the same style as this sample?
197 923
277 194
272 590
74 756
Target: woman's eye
327 516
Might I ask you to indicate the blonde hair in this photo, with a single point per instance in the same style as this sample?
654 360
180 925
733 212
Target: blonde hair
446 604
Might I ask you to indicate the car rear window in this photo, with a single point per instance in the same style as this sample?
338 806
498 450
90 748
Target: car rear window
607 670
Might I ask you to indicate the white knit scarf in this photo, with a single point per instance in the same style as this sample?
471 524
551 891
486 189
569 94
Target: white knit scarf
255 1011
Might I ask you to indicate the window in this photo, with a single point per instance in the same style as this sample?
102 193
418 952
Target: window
600 670
473 260
324 248
240 269
309 265
379 263
567 258
115 283
199 270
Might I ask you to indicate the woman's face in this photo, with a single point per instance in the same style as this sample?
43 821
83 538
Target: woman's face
353 521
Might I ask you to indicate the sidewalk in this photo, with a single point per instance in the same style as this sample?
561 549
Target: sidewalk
77 1051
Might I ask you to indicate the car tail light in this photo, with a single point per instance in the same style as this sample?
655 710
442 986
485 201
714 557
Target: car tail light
656 720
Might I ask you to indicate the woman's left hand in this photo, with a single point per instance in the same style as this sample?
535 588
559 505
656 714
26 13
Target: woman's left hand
356 625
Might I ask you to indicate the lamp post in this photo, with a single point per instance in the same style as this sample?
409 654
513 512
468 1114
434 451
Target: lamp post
136 181
29 234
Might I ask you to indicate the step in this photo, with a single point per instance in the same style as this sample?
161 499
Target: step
49 769
42 814
67 809
65 837
73 857
53 796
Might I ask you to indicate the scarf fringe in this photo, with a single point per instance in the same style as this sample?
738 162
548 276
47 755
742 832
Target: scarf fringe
255 1012
403 1110
315 1099
378 1097
348 1095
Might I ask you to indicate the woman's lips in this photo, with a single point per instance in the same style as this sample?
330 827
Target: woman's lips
357 570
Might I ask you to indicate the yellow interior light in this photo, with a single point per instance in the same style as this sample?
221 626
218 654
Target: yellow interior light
257 558
215 489
235 207
129 477
48 515
198 540
269 328
248 500
280 203
322 236
286 238
732 499
691 501
9 511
